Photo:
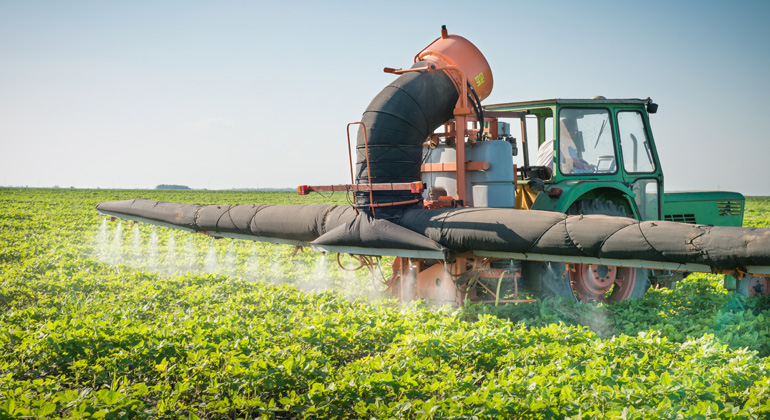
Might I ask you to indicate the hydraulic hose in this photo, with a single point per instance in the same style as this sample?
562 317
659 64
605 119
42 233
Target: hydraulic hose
476 105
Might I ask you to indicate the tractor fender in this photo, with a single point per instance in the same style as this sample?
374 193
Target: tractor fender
577 190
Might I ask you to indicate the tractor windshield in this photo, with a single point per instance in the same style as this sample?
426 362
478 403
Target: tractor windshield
585 141
637 156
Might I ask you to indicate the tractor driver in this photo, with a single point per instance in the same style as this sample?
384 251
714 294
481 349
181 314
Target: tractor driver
570 161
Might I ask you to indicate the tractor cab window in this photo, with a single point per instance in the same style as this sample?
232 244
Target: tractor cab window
585 142
637 156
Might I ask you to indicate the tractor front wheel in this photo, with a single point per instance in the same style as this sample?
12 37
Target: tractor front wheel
754 286
594 282
585 282
588 282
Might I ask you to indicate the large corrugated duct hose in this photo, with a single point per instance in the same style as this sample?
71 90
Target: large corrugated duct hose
401 117
297 222
397 122
597 236
478 229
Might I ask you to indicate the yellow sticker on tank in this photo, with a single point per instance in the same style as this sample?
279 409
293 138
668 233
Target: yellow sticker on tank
479 79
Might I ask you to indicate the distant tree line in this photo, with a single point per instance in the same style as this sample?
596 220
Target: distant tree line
172 187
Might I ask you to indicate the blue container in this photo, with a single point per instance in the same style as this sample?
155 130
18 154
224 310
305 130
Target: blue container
490 188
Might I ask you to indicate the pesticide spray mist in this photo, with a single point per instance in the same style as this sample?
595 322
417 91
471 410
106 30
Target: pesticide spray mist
172 253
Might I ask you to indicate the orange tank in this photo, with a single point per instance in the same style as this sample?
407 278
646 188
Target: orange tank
454 50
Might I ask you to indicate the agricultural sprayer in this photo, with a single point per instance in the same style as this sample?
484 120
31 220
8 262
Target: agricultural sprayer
440 185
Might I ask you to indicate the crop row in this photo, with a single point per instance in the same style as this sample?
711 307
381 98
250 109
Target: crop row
84 338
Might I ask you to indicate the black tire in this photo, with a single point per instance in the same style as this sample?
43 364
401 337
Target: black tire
547 279
597 206
753 286
551 279
608 208
641 285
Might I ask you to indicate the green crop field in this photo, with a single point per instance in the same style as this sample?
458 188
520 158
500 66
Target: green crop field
757 212
104 320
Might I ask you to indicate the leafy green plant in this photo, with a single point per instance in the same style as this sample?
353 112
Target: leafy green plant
85 338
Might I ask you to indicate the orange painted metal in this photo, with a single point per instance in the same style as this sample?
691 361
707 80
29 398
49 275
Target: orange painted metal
452 166
395 203
423 279
441 203
297 249
359 258
435 283
456 74
452 282
459 59
402 71
492 130
460 123
415 187
592 281
457 52
436 280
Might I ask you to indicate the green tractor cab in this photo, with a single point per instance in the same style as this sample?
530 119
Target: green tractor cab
598 156
604 149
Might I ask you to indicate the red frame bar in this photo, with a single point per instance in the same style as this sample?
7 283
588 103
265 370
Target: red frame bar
416 187
452 166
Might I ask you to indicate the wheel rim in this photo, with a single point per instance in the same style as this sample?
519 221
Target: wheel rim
593 281
759 286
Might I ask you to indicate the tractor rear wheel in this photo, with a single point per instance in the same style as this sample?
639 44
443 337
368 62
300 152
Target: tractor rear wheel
753 286
608 283
589 282
605 282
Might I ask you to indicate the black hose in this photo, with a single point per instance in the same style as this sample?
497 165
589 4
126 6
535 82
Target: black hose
476 106
397 121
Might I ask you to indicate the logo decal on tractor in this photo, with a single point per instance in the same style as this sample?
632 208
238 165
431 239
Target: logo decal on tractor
479 79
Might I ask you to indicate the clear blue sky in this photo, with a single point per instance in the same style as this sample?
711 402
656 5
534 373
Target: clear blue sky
257 94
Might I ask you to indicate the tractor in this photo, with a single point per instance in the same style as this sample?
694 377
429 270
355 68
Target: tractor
446 185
